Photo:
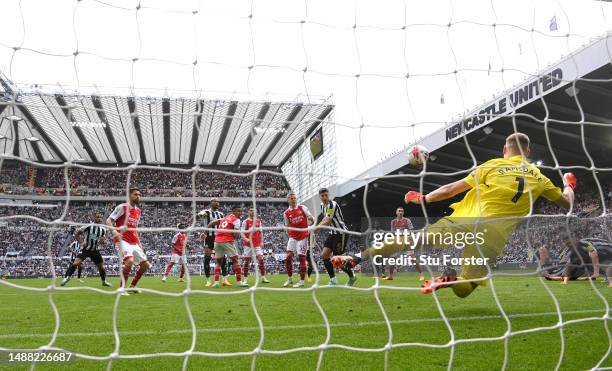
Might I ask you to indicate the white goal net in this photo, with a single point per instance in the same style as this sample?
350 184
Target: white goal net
371 79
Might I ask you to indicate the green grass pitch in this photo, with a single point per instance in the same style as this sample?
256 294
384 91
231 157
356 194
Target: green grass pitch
150 323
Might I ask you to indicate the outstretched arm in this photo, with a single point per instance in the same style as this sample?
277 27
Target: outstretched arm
443 193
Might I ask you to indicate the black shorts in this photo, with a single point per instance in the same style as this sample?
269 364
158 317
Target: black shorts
95 256
210 242
337 243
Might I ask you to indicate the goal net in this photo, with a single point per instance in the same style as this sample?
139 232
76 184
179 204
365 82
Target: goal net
242 103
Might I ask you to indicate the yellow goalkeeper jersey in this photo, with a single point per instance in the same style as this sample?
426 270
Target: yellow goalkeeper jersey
501 187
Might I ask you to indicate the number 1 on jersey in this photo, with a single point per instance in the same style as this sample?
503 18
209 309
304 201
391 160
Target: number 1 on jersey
521 187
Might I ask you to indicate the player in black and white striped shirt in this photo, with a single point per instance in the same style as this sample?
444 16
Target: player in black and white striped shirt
336 241
210 215
75 250
93 235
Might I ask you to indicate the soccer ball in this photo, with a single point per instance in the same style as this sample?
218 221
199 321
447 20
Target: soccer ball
417 156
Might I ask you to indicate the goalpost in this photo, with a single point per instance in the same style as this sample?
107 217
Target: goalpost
398 74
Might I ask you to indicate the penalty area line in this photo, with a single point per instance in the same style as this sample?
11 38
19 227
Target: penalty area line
290 327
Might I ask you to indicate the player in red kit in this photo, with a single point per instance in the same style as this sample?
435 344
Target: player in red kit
225 238
398 225
296 216
252 242
178 254
123 222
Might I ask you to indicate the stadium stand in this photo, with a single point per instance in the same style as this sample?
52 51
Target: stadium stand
22 180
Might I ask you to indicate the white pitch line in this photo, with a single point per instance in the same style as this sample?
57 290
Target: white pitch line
291 327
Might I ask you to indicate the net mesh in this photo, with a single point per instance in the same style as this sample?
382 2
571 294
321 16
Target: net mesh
82 54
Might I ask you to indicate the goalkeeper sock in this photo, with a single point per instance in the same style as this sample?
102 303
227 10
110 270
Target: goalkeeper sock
103 275
137 276
207 260
70 271
302 267
79 270
329 268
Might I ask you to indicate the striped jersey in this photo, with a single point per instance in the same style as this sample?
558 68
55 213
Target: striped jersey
211 215
577 260
92 234
75 248
332 210
585 247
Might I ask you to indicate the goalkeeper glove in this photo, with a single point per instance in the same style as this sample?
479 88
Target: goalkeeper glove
569 179
414 197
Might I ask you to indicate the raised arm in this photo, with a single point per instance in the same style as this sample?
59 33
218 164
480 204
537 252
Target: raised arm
567 197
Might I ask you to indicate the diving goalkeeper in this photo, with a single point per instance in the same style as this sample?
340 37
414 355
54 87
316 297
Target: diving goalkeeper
500 192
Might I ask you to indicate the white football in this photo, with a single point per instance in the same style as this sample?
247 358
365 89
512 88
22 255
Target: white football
417 156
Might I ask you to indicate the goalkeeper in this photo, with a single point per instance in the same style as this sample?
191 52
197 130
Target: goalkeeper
500 192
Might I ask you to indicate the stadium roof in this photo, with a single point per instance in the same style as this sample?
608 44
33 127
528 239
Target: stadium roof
115 129
549 108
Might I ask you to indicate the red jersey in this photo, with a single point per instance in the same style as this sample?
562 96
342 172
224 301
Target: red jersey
178 242
119 216
400 225
297 218
254 236
230 223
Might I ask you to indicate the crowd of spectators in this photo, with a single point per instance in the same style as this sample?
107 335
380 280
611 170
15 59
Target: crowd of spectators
113 181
